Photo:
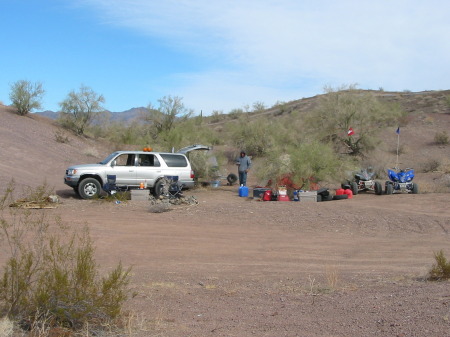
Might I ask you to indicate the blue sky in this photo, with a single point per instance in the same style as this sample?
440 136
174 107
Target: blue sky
221 54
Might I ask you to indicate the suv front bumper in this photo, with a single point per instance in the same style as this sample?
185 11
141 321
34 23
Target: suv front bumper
71 181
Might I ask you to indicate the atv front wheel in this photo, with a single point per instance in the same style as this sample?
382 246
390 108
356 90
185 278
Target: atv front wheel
354 187
415 188
378 188
389 189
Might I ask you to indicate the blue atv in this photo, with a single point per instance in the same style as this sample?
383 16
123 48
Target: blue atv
401 182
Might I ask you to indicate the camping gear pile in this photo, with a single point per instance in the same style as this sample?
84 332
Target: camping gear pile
282 194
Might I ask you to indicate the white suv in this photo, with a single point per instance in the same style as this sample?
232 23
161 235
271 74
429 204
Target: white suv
131 168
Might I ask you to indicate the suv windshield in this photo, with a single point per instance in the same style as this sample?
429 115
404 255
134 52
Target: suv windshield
108 159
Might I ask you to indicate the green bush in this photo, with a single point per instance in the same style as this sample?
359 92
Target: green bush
204 166
441 269
50 275
304 163
255 137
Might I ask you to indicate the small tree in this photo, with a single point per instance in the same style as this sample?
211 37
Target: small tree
26 96
171 110
339 110
80 109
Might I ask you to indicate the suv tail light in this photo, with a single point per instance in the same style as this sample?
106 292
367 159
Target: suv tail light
192 174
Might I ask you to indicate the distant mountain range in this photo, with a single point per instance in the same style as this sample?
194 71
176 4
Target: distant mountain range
123 116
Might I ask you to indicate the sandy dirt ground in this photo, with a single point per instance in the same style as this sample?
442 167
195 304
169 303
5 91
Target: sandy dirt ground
233 266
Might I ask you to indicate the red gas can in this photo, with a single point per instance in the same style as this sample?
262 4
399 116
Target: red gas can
283 198
340 191
349 193
267 195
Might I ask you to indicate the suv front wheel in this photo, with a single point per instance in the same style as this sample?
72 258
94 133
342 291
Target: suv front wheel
89 188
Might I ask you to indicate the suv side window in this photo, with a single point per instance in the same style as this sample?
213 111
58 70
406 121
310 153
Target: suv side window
174 160
125 160
148 160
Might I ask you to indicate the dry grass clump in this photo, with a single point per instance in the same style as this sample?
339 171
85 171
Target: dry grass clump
441 138
441 269
332 275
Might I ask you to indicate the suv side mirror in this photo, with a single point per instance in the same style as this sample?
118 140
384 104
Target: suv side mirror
113 163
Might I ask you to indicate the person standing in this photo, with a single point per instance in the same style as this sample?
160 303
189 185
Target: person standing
244 163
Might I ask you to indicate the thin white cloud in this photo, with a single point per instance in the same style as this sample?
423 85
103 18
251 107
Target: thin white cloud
280 44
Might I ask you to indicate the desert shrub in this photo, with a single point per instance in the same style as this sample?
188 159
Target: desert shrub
445 165
304 163
216 116
50 276
281 106
91 152
61 137
429 120
235 113
401 149
440 269
256 137
431 165
120 134
204 166
441 138
258 106
183 133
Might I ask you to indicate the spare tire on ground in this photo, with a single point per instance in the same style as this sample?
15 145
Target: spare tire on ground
340 197
232 178
329 197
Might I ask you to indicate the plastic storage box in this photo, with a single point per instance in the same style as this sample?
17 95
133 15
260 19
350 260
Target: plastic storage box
307 196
